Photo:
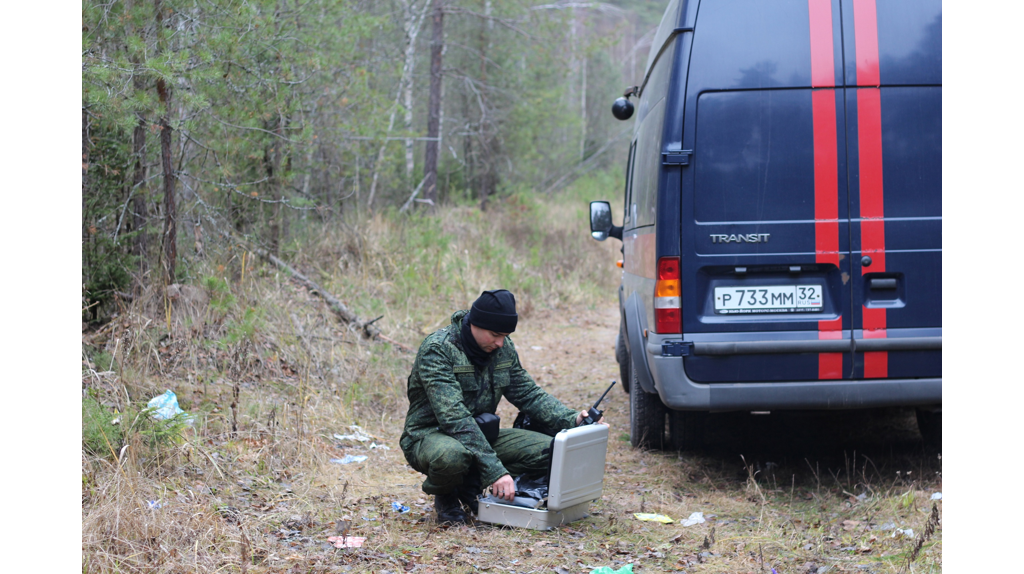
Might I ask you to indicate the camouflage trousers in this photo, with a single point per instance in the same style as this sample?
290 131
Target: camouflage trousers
448 464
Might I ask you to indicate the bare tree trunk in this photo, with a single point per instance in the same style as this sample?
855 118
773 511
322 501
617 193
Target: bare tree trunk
583 105
412 30
274 176
140 215
140 246
169 239
170 235
487 137
85 172
410 162
434 105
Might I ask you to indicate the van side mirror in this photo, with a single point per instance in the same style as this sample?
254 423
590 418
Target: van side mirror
600 219
622 108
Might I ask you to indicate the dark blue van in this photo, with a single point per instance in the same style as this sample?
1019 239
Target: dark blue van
782 234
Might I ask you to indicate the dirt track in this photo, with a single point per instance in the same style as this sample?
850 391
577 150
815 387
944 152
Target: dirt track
798 492
793 493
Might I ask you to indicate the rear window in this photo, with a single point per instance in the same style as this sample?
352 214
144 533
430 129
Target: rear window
646 163
754 156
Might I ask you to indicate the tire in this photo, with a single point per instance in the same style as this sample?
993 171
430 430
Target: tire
929 422
646 416
686 429
622 357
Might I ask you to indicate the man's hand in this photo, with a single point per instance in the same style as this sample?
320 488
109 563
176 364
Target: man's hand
583 414
504 488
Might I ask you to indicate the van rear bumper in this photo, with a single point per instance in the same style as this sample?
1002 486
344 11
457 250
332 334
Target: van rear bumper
678 392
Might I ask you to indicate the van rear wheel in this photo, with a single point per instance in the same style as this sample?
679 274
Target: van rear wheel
686 429
646 416
622 357
929 422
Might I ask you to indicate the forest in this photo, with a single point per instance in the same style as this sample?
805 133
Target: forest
267 119
281 198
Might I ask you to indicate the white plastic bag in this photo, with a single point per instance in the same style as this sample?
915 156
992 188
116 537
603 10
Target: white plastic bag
695 518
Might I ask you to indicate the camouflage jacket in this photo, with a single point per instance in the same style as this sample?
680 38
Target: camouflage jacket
446 391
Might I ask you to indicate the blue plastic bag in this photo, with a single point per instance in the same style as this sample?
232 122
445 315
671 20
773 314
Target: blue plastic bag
349 459
627 569
165 406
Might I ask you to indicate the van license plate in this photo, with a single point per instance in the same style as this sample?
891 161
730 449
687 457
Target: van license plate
768 299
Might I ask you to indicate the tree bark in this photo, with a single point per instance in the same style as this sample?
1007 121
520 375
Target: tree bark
274 175
140 215
140 247
85 172
434 105
169 239
170 235
413 24
488 138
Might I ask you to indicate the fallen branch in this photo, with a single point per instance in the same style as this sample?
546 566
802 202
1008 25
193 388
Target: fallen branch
340 309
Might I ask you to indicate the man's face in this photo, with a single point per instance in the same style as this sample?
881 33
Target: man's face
488 340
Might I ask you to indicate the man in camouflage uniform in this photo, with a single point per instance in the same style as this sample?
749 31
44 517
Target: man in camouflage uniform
463 371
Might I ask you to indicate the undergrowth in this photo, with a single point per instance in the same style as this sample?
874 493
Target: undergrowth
275 382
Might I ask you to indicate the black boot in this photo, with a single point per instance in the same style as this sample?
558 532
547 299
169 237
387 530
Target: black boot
470 490
449 509
468 495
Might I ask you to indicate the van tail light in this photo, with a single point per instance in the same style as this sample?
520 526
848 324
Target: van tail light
668 301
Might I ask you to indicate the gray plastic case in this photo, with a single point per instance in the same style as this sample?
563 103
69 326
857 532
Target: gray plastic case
576 479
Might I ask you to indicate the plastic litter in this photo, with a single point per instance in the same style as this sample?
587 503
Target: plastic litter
695 518
349 459
399 507
627 569
357 434
937 496
165 406
908 532
154 504
347 541
374 445
646 516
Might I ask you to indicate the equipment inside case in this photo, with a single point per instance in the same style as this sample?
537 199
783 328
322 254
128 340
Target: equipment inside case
575 480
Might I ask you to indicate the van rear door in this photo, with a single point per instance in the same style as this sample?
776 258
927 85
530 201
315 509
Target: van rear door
893 71
767 247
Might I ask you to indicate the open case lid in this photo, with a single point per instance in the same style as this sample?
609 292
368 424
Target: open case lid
577 466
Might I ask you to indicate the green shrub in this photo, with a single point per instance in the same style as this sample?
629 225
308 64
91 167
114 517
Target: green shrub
100 435
243 328
105 432
221 299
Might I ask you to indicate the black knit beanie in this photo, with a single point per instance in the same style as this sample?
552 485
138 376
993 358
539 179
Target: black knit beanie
495 311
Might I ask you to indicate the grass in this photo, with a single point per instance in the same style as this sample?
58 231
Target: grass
273 377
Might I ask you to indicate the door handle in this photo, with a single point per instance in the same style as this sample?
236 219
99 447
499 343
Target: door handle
883 283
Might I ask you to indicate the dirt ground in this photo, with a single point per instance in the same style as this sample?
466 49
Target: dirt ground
809 493
804 493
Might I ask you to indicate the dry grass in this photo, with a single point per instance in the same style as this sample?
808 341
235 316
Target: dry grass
272 377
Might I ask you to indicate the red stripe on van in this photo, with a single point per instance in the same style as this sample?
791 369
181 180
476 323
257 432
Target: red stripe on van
865 34
872 197
826 168
826 178
830 365
823 69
